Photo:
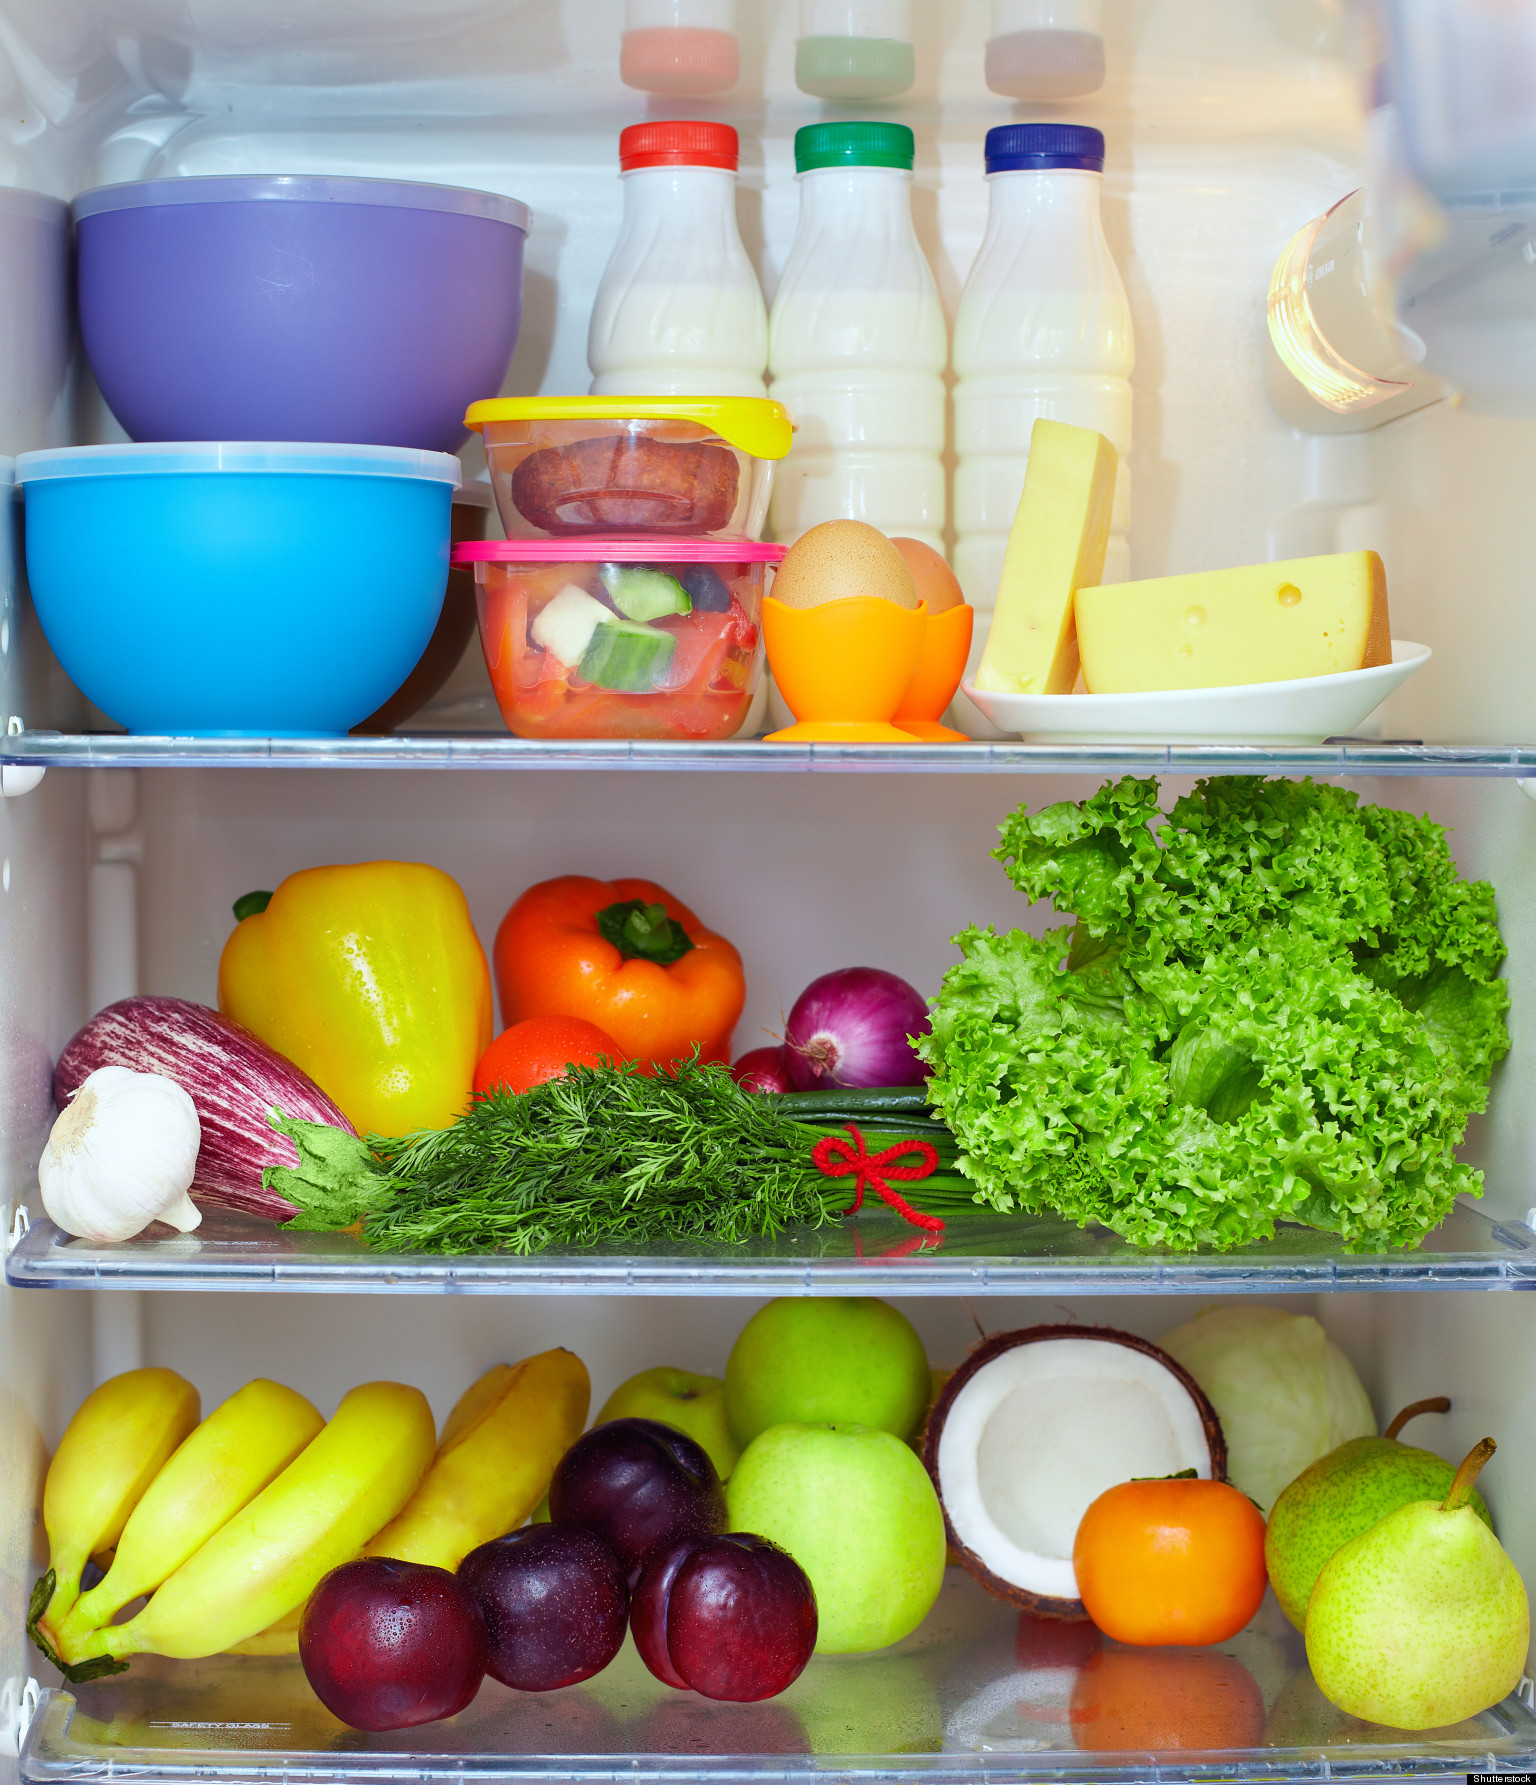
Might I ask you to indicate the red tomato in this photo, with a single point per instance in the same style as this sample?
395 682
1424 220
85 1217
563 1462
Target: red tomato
540 1048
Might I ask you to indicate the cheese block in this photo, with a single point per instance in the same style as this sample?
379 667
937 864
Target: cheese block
1264 623
1056 547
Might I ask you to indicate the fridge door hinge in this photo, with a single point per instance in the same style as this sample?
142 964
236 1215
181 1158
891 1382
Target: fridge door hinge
18 1706
21 1226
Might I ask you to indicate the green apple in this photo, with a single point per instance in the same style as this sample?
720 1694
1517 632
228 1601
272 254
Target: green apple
826 1360
856 1510
694 1405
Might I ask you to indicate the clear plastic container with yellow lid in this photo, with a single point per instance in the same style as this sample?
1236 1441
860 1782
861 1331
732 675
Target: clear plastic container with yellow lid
688 467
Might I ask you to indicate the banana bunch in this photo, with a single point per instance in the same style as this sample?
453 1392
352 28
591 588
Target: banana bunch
237 1450
267 1559
114 1447
499 1448
229 1525
494 1461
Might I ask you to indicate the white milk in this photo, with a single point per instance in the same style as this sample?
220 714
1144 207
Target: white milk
857 344
1043 329
678 311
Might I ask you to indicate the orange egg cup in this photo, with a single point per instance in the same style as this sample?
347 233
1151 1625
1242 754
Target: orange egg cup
843 668
946 646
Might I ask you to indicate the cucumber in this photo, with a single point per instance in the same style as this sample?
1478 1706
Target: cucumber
857 1105
626 657
642 593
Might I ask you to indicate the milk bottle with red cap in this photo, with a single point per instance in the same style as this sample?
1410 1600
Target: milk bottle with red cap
857 343
679 312
1043 329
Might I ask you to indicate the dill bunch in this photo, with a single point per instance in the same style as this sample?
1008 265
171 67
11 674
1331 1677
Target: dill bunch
601 1157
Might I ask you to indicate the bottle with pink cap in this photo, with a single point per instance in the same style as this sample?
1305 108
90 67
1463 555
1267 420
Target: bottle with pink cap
679 312
679 47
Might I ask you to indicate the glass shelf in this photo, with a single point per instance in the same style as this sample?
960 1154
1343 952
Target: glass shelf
967 1696
980 1253
1356 757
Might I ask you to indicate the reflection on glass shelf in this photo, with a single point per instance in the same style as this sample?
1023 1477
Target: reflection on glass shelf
971 1691
980 1252
1340 756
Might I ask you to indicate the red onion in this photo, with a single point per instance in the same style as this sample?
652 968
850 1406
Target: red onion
850 1028
764 1069
234 1079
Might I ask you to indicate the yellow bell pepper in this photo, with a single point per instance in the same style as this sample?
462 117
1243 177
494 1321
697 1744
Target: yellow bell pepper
371 979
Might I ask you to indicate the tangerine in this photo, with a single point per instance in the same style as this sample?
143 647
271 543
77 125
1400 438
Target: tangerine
1172 1561
541 1048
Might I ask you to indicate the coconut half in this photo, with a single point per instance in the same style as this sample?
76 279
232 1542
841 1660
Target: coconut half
1034 1426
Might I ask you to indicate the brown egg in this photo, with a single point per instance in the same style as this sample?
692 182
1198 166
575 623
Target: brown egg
934 580
840 560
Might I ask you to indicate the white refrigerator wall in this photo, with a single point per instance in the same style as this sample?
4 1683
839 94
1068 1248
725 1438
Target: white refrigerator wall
1230 123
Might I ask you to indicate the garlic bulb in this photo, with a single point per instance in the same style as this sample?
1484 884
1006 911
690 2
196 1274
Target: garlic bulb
122 1155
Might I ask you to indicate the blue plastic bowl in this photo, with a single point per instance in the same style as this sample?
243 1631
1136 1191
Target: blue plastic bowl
215 589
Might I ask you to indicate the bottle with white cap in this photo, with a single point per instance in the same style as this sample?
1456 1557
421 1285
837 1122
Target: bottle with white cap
857 343
679 312
1043 329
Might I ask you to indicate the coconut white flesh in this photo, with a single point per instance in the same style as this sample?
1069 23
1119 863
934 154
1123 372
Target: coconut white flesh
1037 1434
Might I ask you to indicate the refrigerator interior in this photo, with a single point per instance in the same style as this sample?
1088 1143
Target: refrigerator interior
1230 124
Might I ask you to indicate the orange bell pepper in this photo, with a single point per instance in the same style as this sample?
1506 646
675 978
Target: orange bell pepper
626 955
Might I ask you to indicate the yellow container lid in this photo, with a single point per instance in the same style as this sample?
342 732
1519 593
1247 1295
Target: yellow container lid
755 425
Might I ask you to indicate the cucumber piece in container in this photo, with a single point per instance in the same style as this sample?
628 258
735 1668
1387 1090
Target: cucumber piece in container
625 657
641 592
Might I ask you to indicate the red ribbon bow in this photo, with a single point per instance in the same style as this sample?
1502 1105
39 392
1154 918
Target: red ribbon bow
833 1157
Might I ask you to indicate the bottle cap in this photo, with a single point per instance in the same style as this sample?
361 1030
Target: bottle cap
1012 147
681 142
854 145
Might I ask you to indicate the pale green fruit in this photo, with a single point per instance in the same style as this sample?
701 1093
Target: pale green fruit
1284 1392
693 1405
826 1360
1422 1620
856 1510
1340 1496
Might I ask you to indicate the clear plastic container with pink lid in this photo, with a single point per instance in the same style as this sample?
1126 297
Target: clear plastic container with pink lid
621 637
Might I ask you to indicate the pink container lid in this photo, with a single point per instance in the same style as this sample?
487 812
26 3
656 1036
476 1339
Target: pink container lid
588 548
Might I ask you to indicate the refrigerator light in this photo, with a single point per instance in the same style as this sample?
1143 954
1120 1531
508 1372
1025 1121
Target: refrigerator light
1337 365
1308 354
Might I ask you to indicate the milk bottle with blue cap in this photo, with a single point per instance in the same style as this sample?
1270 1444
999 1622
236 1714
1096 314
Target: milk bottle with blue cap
1043 329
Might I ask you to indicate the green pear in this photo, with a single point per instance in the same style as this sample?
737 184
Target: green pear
857 1511
826 1360
1422 1620
693 1405
1342 1495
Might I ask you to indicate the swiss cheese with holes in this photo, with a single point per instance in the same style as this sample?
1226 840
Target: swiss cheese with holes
1263 623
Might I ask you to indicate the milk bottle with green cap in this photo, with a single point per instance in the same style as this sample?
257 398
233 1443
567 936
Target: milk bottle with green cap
857 343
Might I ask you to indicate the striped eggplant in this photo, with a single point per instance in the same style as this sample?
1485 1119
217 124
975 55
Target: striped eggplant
234 1079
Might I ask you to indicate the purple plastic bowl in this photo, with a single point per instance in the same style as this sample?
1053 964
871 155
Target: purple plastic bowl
294 308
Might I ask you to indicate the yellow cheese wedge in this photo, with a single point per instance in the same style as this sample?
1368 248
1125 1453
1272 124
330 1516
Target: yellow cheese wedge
1056 547
1264 623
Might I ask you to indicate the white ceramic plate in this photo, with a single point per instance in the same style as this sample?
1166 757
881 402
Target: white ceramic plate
1304 711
